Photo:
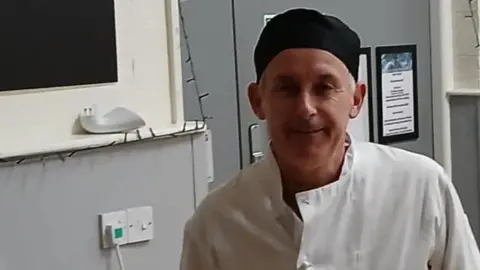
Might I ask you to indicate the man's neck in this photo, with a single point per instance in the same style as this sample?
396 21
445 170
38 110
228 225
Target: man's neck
315 178
296 180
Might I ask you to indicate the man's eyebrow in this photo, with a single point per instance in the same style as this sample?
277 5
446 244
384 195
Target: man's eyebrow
326 76
284 79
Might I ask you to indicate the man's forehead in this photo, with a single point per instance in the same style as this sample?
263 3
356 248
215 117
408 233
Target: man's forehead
292 77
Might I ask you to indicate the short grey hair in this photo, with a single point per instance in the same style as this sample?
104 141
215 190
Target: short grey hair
352 83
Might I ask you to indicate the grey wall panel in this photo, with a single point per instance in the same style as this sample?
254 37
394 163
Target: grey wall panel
465 156
50 212
209 29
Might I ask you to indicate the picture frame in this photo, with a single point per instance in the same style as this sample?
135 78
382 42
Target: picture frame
397 93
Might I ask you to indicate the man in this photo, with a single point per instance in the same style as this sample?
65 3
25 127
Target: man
320 199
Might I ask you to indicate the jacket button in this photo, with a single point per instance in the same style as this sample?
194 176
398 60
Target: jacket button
305 266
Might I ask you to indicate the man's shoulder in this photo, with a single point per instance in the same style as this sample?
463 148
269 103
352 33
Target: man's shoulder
400 167
401 173
396 158
222 200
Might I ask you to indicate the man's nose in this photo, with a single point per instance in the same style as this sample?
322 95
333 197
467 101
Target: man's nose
305 105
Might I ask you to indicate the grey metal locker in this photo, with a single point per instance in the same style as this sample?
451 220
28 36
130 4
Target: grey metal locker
379 22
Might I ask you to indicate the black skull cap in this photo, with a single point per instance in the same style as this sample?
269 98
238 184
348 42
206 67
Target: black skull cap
307 28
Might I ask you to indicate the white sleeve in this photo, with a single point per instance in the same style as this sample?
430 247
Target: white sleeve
195 255
455 247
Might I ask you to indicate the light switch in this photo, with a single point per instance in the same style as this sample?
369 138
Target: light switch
140 224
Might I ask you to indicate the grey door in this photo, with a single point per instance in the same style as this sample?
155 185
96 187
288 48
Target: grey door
208 26
379 22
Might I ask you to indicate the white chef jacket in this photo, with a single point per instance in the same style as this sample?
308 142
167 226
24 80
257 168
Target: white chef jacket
390 209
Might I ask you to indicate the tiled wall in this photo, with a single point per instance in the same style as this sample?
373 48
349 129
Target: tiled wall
467 69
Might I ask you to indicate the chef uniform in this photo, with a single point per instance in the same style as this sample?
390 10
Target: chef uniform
389 209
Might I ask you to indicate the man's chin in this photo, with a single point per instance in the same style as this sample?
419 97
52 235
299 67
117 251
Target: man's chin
305 149
310 154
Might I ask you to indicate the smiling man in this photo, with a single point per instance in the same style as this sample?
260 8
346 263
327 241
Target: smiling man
320 199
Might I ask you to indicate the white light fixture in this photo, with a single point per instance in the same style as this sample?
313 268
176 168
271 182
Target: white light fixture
118 120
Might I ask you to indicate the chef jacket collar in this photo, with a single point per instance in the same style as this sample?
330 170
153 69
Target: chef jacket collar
272 182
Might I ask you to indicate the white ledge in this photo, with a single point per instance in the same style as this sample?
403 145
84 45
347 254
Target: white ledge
95 141
464 92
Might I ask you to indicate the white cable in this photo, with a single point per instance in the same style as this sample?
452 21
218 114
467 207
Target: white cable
119 257
111 235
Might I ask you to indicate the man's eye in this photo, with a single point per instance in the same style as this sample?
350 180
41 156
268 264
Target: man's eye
324 89
287 88
327 87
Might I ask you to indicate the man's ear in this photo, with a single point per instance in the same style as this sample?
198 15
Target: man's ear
255 97
358 97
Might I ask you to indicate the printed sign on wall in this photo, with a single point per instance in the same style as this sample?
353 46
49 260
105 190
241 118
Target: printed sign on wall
397 93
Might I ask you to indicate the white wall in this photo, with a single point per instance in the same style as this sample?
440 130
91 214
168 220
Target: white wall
466 55
149 83
49 211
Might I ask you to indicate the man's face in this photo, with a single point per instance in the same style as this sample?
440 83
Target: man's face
307 97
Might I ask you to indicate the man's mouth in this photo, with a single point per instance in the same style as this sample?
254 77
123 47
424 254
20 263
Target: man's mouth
309 131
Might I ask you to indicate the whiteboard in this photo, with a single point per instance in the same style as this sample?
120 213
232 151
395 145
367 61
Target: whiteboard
361 127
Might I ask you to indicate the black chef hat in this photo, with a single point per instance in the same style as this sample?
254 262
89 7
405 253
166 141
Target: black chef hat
307 28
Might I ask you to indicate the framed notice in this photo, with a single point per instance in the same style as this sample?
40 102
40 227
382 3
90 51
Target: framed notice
397 93
361 128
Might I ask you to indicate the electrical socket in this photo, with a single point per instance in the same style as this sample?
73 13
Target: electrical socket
129 226
89 110
118 220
